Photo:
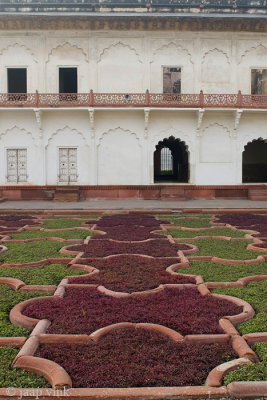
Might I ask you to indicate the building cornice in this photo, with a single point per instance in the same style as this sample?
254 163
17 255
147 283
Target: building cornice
135 22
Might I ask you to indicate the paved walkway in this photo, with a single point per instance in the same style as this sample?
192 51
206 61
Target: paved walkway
133 205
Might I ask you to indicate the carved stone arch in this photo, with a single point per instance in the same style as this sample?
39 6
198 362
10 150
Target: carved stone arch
66 44
251 49
60 130
177 47
22 130
171 157
118 44
176 134
215 50
126 131
249 140
225 128
14 45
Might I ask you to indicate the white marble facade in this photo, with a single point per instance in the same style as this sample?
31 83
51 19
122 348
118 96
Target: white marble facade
116 146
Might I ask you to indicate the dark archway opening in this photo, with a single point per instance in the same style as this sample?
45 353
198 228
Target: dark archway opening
171 161
254 163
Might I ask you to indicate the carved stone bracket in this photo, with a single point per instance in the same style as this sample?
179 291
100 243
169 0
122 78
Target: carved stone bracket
38 116
147 112
92 121
237 116
200 115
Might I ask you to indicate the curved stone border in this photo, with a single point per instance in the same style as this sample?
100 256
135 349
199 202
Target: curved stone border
215 376
52 372
12 341
241 282
251 389
252 338
13 283
45 261
228 261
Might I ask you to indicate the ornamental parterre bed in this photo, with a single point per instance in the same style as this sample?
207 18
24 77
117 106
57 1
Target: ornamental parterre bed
133 320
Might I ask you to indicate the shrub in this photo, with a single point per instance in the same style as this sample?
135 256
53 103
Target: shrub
86 310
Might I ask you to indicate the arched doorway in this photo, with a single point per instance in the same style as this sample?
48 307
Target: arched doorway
254 162
171 161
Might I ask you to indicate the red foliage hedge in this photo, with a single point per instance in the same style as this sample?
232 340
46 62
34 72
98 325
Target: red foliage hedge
104 248
128 273
137 358
86 310
255 222
129 233
127 220
16 221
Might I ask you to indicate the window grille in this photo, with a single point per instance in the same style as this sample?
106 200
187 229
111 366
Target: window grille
166 161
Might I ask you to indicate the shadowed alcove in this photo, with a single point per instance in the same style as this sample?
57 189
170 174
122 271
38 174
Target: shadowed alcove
254 162
171 161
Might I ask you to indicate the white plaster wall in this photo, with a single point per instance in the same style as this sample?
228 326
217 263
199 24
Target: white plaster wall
119 158
133 61
116 148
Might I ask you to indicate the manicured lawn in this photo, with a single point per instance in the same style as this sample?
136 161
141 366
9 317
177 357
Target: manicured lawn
19 253
8 299
14 377
233 250
252 372
213 272
77 234
44 275
190 223
61 223
177 233
256 295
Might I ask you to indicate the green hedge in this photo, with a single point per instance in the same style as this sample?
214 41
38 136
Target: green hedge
213 272
256 295
251 372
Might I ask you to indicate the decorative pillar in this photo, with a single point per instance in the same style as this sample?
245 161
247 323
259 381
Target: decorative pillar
93 148
41 145
146 176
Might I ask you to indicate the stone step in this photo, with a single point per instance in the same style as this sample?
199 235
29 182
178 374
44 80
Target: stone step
67 194
257 194
172 194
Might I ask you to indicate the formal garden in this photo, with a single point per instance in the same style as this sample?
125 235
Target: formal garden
134 300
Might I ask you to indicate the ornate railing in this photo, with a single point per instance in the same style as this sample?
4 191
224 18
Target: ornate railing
147 99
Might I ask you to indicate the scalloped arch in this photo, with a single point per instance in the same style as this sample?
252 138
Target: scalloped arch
248 141
260 45
120 129
176 46
121 44
215 49
21 46
226 129
15 127
176 134
61 45
73 130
